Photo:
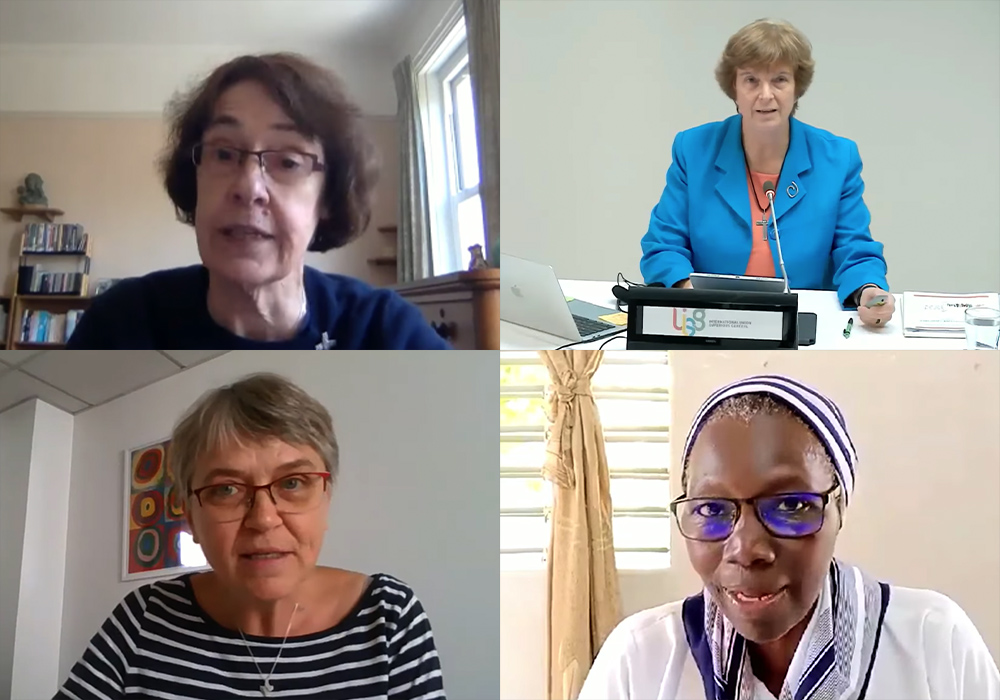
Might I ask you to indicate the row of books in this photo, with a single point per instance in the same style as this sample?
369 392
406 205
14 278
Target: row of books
32 279
54 238
47 327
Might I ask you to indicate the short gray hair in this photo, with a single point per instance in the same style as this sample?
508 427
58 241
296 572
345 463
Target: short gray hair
250 411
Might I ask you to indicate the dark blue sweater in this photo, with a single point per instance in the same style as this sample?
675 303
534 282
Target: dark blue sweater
168 310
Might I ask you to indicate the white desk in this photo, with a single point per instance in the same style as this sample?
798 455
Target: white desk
830 322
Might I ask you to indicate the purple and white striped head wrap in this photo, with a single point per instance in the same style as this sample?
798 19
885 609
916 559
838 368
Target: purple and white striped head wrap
817 411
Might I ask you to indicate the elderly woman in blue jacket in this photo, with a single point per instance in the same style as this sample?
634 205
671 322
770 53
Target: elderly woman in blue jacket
714 214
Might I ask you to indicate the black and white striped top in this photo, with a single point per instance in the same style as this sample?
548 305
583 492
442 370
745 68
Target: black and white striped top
159 643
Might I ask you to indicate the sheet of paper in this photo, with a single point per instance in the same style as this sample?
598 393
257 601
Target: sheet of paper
923 311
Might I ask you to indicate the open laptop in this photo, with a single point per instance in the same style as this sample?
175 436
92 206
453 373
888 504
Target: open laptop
530 296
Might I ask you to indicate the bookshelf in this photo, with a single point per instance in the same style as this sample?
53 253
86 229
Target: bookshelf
34 305
47 304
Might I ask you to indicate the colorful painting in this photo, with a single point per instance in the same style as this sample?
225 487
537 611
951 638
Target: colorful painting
154 514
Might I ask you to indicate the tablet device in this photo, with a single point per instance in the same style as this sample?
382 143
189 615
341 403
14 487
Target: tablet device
736 283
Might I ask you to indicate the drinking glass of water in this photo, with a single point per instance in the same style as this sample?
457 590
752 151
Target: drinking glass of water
982 328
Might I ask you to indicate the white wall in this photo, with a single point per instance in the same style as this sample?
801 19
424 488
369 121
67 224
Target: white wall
925 425
422 26
35 441
417 495
594 93
141 79
16 428
43 561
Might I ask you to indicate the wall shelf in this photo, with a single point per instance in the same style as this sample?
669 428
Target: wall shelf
47 213
382 260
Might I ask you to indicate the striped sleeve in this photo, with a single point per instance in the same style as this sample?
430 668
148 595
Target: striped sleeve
414 666
102 671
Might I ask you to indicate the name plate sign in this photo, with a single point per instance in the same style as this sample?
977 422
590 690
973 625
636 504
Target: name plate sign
662 318
711 323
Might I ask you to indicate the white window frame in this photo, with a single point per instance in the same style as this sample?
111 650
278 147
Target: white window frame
510 434
457 194
444 57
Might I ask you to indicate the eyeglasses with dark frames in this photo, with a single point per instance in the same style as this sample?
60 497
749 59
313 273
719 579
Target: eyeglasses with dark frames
297 492
784 515
285 166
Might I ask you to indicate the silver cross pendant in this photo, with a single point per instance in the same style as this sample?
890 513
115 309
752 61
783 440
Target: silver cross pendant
266 689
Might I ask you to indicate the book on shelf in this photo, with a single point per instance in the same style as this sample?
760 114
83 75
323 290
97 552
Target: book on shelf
53 238
39 326
3 326
32 279
927 315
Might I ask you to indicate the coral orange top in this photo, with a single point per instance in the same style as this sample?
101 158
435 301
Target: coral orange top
761 263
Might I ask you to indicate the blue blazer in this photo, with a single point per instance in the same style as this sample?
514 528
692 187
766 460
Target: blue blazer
702 221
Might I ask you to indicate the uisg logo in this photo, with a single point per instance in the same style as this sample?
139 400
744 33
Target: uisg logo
689 325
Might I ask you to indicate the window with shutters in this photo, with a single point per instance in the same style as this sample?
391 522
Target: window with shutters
632 392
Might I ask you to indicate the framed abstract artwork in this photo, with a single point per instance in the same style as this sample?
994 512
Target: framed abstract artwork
154 516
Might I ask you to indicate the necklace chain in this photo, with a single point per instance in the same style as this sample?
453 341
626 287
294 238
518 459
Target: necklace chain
266 687
746 159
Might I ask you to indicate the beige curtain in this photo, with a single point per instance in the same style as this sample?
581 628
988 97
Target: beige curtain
482 28
584 598
413 244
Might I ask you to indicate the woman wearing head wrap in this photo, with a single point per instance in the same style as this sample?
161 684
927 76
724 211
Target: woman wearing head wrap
768 471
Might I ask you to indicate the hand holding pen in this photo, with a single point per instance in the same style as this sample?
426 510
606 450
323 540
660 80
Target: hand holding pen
876 306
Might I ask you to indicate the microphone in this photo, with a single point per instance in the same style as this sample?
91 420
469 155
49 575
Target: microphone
769 192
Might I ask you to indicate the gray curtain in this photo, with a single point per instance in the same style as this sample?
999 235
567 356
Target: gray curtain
413 249
482 28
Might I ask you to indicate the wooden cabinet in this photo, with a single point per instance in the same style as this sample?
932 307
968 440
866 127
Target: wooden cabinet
464 307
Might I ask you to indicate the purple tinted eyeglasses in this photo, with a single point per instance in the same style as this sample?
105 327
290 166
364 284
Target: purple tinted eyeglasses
785 515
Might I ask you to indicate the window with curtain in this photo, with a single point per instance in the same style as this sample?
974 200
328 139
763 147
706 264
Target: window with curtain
445 91
632 392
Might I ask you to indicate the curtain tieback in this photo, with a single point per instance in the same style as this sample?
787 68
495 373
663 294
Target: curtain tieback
558 460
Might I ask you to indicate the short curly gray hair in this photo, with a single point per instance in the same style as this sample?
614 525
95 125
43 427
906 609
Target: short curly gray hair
254 409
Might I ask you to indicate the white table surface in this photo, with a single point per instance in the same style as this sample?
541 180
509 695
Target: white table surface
830 322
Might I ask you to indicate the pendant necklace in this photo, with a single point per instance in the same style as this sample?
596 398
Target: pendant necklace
763 207
266 688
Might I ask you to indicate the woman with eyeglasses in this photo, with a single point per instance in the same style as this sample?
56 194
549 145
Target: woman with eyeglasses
267 160
256 462
768 472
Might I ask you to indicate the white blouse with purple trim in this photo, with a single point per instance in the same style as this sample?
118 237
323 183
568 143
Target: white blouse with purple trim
928 650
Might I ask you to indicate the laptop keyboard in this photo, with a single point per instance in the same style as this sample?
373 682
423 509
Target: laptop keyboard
589 326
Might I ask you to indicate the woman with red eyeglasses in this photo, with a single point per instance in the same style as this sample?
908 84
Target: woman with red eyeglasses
256 462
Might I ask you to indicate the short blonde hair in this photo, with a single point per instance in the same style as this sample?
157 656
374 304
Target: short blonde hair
764 43
253 410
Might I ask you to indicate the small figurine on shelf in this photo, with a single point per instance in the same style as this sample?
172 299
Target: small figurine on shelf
478 262
31 194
